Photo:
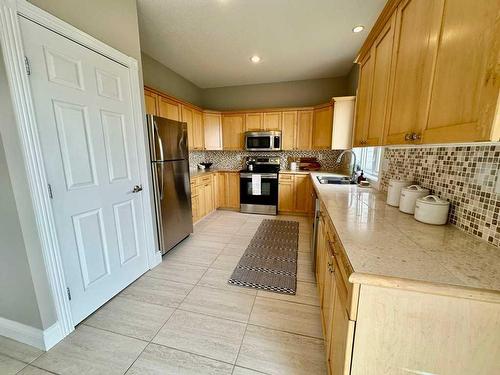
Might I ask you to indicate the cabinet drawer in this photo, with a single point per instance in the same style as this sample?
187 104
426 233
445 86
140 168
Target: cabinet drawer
206 179
286 177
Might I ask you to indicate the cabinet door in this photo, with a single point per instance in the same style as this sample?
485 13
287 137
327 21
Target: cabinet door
169 109
220 190
363 104
288 130
320 258
195 202
322 128
198 132
232 131
253 122
286 193
382 57
416 33
272 121
302 193
341 339
208 196
233 190
465 87
304 130
212 124
188 117
150 99
328 297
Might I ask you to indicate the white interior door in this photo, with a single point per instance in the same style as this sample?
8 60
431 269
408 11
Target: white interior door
84 112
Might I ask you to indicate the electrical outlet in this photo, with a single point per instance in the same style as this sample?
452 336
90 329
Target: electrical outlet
497 186
385 165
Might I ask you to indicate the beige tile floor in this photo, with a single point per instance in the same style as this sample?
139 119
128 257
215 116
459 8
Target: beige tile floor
184 318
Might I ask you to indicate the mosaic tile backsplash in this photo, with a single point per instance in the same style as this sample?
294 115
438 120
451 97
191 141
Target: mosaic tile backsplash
464 175
235 159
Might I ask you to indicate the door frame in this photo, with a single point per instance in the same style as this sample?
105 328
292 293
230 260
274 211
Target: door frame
27 127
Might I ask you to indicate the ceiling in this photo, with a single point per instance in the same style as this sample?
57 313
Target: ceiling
210 42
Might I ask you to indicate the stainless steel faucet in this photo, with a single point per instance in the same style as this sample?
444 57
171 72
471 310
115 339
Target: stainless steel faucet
353 159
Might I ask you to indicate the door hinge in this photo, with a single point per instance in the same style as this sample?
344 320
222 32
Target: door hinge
27 65
51 195
69 293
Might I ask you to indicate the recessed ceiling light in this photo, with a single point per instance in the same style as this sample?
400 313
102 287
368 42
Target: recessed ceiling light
255 59
358 29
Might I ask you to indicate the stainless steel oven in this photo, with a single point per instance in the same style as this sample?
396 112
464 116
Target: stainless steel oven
263 141
259 186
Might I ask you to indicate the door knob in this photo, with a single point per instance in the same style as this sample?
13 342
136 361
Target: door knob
137 188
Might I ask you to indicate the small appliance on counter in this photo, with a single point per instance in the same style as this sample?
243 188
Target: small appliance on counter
409 196
259 185
204 165
394 190
432 210
308 164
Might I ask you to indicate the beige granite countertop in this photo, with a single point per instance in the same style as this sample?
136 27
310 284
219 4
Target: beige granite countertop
289 171
200 172
380 240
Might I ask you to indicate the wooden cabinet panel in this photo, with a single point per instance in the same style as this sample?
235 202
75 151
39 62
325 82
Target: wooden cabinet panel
212 123
253 122
304 130
382 57
198 131
187 116
289 130
302 193
465 87
220 190
233 190
151 101
169 109
232 131
364 100
208 196
322 128
417 28
286 193
272 121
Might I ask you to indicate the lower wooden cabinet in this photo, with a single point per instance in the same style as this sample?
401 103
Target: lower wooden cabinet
229 189
202 196
295 194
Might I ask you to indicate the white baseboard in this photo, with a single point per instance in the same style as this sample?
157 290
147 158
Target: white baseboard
41 339
156 260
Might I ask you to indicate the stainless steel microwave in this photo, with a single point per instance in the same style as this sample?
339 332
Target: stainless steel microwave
263 141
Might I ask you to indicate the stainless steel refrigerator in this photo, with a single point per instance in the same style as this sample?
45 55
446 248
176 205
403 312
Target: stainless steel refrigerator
172 189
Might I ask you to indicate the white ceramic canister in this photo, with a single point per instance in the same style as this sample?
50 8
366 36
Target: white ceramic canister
394 190
432 210
409 196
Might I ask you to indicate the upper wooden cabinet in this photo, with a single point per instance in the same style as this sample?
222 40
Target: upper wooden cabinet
187 116
233 127
429 74
253 122
169 108
151 101
272 121
322 127
289 130
198 131
212 123
466 80
304 130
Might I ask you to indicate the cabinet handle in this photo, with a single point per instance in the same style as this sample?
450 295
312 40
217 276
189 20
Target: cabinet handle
330 267
415 137
408 137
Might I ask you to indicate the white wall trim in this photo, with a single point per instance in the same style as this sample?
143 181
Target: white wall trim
41 339
12 47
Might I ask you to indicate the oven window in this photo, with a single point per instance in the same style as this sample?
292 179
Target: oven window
265 188
259 142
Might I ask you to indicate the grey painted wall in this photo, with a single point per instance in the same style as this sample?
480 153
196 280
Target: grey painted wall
281 94
158 76
352 80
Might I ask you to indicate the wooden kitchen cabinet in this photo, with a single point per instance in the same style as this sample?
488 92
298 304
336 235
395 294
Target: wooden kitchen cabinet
233 127
253 122
364 100
198 131
188 117
304 131
322 127
212 125
466 80
294 193
272 121
288 130
151 101
202 196
169 108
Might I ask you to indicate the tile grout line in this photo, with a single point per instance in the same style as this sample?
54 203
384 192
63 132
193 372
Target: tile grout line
244 333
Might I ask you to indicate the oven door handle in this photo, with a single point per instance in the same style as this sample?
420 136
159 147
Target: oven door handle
262 175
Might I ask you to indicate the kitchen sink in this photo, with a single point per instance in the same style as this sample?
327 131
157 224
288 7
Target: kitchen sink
337 180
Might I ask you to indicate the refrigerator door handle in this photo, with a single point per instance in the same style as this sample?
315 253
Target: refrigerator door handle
158 197
160 142
160 178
